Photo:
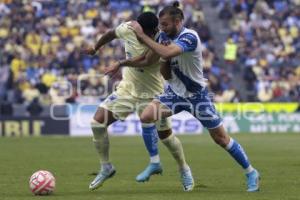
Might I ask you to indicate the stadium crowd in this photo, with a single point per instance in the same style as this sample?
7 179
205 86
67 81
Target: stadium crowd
264 43
40 43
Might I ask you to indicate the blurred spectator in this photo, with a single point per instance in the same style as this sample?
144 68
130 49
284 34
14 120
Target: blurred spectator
34 108
41 42
230 54
225 13
4 75
59 92
231 49
30 93
6 108
265 40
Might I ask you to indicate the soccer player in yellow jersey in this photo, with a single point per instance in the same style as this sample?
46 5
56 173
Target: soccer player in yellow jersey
141 82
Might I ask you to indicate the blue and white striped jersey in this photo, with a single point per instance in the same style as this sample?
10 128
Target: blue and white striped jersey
187 69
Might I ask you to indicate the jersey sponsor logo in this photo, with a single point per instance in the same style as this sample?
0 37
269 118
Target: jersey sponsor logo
112 98
166 42
187 40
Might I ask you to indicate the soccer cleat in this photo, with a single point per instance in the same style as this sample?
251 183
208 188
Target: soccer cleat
103 175
187 180
151 169
253 181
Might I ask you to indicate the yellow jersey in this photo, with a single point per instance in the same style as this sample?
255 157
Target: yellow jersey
142 82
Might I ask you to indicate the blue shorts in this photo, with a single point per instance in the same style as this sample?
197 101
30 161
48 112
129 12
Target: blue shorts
199 105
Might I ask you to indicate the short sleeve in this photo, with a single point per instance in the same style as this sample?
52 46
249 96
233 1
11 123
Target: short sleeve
122 30
187 42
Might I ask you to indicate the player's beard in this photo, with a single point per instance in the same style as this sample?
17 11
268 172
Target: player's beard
173 32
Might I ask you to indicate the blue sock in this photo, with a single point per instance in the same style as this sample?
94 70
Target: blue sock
238 153
150 139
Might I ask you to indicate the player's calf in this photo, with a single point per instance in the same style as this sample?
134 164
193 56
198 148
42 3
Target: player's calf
238 153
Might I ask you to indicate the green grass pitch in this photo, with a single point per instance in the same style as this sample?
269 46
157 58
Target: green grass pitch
72 160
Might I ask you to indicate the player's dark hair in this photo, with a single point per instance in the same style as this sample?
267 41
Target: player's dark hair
173 10
148 22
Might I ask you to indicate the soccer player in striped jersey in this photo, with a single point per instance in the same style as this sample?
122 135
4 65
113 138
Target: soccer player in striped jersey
141 82
187 89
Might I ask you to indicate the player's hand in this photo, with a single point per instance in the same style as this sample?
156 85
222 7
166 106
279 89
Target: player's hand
136 27
89 51
112 70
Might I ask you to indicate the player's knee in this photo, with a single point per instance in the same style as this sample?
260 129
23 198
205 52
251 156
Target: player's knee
103 116
220 136
96 124
147 118
220 140
98 118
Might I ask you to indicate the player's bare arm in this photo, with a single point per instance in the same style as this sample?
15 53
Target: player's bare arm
144 60
106 38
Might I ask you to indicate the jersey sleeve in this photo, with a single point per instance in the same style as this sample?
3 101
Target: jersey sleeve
187 42
122 31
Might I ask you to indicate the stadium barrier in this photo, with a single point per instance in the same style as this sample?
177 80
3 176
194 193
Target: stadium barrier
237 118
32 126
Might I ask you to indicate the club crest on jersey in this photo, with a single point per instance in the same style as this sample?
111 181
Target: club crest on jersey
166 42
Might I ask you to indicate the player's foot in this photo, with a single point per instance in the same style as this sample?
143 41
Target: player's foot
151 169
253 181
102 176
187 180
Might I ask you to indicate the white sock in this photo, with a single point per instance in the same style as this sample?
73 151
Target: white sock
249 169
230 144
175 147
102 148
147 125
155 159
101 141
